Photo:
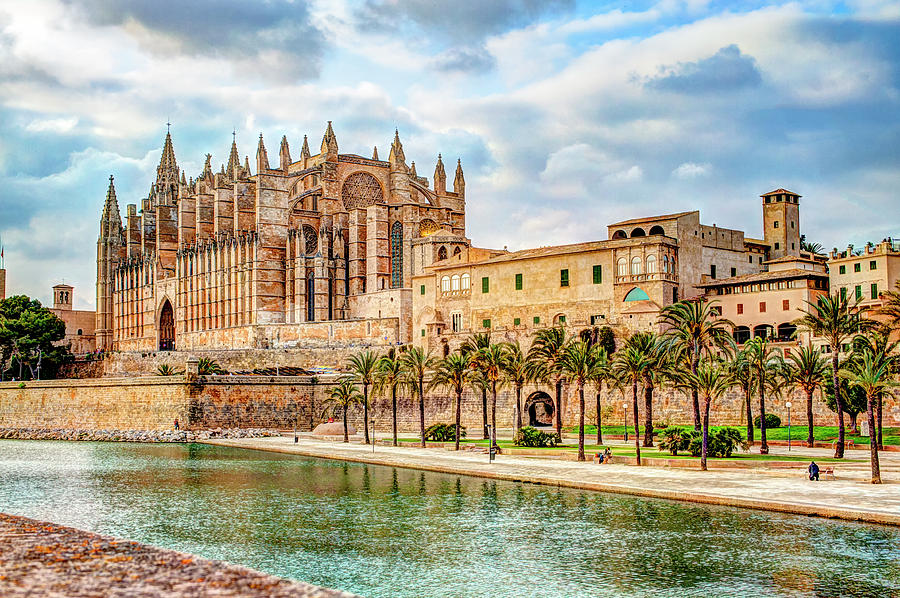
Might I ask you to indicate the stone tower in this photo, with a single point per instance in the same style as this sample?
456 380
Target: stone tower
63 296
781 222
110 252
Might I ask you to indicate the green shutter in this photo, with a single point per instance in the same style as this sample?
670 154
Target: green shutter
858 292
842 269
873 265
518 282
843 293
562 319
598 274
485 285
537 319
564 277
516 321
485 323
423 332
874 291
422 290
857 267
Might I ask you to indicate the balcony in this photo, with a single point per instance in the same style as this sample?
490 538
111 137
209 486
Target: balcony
651 277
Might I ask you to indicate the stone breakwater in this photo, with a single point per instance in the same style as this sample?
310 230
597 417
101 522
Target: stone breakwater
134 435
44 559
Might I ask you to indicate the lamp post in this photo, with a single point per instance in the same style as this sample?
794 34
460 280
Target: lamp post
373 434
625 407
788 405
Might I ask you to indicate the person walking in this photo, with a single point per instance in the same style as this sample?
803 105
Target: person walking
813 470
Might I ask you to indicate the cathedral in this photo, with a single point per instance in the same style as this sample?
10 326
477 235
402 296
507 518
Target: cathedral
318 250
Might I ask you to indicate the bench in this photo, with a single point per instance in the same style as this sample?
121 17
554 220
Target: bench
827 471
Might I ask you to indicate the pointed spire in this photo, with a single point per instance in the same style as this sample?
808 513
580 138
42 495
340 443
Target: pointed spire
375 153
304 151
245 171
234 159
459 183
284 154
111 213
329 142
262 157
440 177
183 179
222 171
207 168
397 158
412 169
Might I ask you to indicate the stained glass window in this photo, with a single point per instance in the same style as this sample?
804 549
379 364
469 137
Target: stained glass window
396 255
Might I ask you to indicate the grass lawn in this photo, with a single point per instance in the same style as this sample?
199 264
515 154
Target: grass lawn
820 433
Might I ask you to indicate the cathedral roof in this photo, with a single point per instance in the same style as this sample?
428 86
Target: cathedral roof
780 192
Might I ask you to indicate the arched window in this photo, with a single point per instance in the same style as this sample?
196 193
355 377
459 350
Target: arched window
622 267
620 234
651 264
442 253
638 232
635 266
310 297
456 251
454 282
445 284
80 332
657 230
465 281
396 255
665 263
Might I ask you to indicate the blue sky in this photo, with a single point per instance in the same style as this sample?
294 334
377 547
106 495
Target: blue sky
567 115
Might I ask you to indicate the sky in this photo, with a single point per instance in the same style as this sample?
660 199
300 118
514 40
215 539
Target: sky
567 115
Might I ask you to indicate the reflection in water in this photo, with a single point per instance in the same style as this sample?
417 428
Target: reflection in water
381 531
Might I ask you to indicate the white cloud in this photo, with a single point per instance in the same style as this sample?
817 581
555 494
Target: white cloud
52 125
690 170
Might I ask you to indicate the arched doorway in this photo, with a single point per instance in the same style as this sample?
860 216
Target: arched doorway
539 408
167 327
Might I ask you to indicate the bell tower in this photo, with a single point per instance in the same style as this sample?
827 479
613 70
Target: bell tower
781 222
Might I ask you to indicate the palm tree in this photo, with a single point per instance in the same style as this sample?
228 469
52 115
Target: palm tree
490 362
836 319
545 355
764 362
695 326
890 307
884 351
416 364
472 344
874 378
166 370
342 396
653 348
741 370
363 366
712 380
390 376
209 367
580 362
518 374
631 365
807 370
453 372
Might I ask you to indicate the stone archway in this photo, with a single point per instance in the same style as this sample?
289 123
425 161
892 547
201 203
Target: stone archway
539 409
166 327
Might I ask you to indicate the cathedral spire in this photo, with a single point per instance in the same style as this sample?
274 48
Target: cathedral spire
440 177
284 154
459 183
111 222
304 151
397 158
412 169
329 142
245 171
262 157
375 153
234 159
167 171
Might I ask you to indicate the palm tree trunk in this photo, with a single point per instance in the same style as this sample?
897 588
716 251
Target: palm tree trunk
705 447
810 440
494 412
518 407
366 413
484 411
748 400
394 412
422 411
581 422
839 405
458 416
763 445
599 422
637 427
346 436
873 446
559 407
878 414
695 363
854 429
648 415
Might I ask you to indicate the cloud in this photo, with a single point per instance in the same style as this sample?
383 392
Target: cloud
472 59
690 170
53 125
726 70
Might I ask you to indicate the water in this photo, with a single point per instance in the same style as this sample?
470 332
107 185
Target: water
380 531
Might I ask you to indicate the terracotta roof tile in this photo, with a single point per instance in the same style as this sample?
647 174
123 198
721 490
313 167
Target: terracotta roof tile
762 277
652 218
779 192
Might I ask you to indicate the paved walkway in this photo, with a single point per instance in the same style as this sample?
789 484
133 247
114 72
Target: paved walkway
848 497
44 559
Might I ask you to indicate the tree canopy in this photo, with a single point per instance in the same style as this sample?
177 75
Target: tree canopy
28 332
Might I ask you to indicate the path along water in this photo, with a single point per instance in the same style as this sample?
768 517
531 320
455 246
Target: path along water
381 531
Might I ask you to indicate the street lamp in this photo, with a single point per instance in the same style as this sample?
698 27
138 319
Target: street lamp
625 407
373 434
788 405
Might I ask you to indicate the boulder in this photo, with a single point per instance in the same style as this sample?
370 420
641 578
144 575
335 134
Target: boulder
333 429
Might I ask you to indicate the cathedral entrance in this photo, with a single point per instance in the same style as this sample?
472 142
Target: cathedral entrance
539 407
167 327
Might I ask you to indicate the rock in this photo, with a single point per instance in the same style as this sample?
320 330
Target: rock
333 429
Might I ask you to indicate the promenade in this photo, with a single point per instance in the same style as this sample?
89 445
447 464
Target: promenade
850 496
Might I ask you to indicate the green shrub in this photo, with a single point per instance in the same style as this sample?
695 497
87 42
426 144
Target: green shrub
721 442
532 437
444 432
675 439
772 421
